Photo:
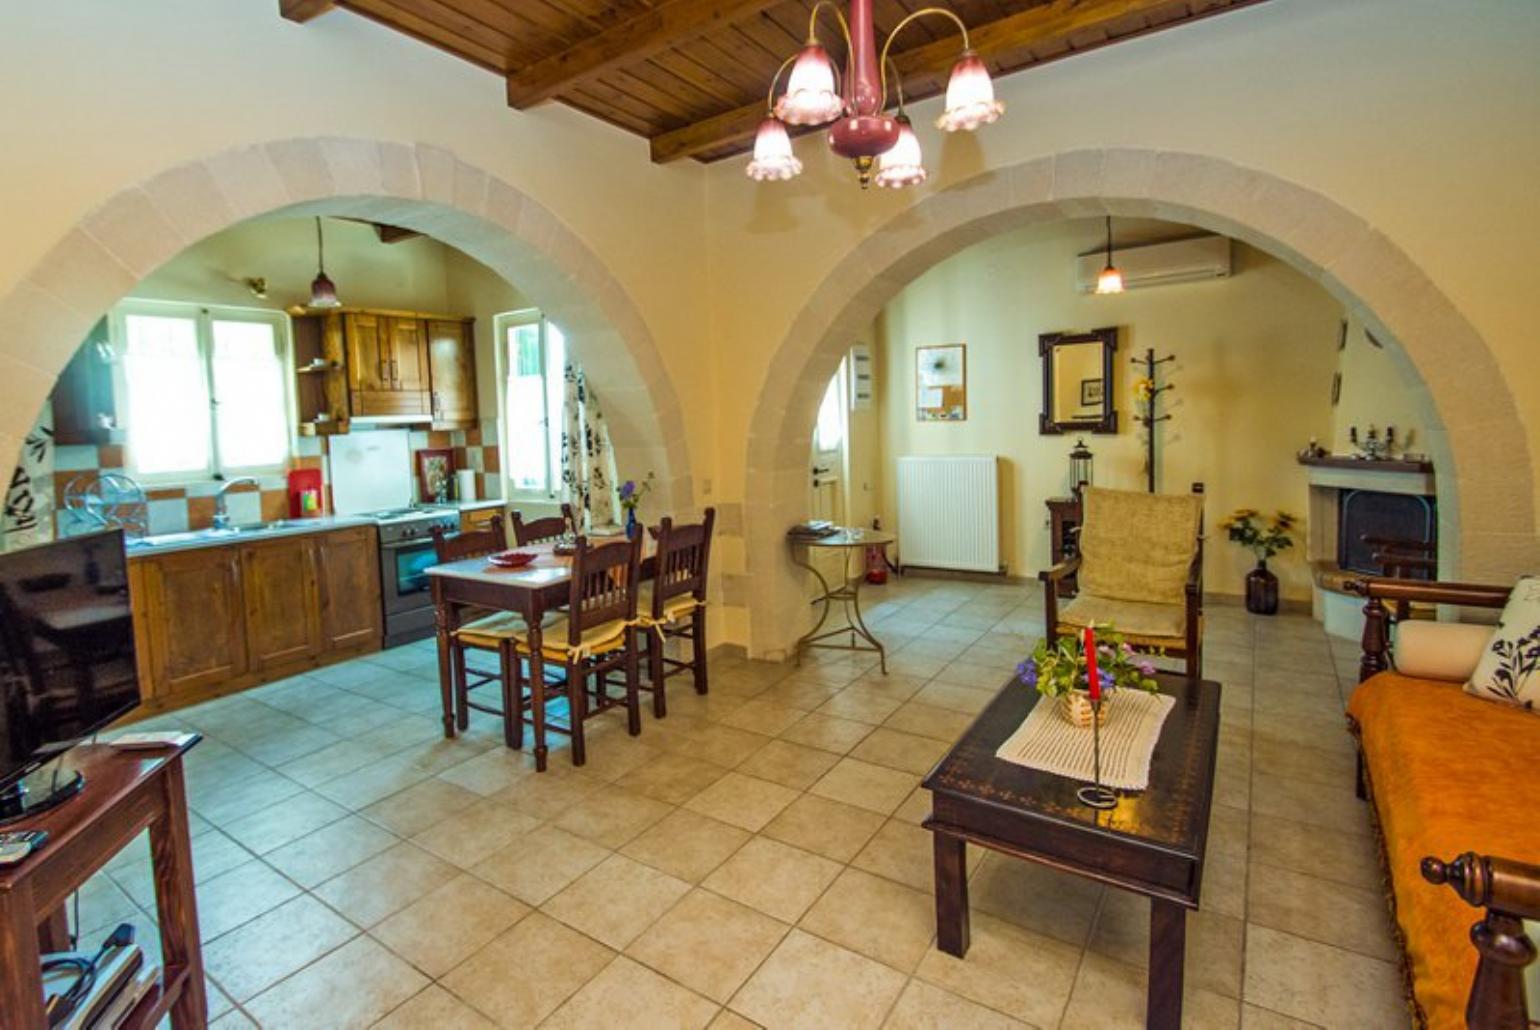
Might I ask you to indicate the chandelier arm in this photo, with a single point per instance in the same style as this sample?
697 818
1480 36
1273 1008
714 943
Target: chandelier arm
898 83
883 62
776 81
812 23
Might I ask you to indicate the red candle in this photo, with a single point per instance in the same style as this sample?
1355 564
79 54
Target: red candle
1093 681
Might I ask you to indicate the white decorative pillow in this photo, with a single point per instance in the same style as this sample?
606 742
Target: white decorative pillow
1509 671
1440 650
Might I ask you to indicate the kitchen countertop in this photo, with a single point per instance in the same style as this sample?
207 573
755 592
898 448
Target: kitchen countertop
485 502
165 543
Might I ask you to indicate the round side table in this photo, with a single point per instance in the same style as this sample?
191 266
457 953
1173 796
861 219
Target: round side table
848 592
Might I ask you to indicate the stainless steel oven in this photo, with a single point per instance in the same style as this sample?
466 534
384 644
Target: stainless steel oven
406 551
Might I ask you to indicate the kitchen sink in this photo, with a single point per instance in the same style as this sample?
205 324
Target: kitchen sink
198 536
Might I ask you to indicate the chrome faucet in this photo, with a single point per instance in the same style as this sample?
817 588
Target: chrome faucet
221 503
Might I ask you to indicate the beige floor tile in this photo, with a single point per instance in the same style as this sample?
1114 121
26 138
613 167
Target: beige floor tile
907 752
791 765
796 692
875 788
924 1007
832 829
809 982
441 929
524 975
1254 1017
687 845
1345 857
827 732
673 778
256 955
775 878
1035 897
994 972
924 720
916 806
862 704
616 900
1110 994
627 994
419 806
330 850
612 816
227 900
1319 983
954 698
763 716
384 884
434 1008
904 852
878 918
727 1019
744 801
1214 941
489 772
1332 913
472 834
1311 803
534 865
551 794
1224 885
708 943
287 820
352 987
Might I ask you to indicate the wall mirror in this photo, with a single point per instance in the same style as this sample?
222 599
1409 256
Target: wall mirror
1078 387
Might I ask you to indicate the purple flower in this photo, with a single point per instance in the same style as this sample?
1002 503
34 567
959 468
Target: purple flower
1147 668
1027 673
627 489
1109 681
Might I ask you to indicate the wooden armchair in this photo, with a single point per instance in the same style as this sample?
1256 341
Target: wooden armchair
540 531
1140 571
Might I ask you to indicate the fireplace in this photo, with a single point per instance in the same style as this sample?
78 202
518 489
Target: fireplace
1386 516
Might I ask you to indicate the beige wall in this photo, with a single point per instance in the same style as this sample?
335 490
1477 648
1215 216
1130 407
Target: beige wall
1255 357
1380 387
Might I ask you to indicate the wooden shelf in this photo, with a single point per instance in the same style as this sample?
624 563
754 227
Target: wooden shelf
310 370
1343 461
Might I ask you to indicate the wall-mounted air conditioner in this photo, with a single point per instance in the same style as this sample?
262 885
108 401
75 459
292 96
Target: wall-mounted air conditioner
1182 261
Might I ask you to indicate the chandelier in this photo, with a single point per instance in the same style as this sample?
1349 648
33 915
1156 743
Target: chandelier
856 102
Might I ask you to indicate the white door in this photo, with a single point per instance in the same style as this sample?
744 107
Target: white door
827 497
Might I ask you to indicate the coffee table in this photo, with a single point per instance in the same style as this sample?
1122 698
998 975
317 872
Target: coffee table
1151 843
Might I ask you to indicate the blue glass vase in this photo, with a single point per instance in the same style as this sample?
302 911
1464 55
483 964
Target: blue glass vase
631 524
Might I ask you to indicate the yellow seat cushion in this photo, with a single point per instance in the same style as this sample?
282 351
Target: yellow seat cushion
674 609
1441 767
600 639
1136 546
1137 621
490 630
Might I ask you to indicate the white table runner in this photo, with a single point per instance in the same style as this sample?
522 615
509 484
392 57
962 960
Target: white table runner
1048 741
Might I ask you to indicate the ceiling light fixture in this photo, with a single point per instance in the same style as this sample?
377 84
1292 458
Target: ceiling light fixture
1110 280
323 292
816 94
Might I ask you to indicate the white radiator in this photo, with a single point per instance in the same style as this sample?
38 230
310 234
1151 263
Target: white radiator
949 512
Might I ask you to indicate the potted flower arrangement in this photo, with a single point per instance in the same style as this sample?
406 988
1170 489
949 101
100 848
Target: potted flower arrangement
1246 528
631 494
1058 669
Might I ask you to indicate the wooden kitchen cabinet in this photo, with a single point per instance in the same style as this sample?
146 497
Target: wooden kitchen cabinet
282 601
387 364
452 363
195 621
348 568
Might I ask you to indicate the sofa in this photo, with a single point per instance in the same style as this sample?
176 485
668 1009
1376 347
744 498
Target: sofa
1449 776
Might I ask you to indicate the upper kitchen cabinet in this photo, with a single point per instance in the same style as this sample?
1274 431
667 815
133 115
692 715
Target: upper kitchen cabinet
387 364
452 367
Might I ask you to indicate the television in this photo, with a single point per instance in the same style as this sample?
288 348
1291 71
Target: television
67 661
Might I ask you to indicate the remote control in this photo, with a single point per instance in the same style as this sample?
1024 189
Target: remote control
165 738
18 844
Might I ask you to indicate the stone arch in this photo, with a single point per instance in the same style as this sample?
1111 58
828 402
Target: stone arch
1487 505
426 188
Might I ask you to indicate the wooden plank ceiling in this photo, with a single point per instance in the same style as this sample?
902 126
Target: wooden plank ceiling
691 75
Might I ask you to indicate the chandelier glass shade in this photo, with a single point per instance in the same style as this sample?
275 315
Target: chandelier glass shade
1110 280
853 102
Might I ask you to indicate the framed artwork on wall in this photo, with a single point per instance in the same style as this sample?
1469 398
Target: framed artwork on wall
941 383
435 472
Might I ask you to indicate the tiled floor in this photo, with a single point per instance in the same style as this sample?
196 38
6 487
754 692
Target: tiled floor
754 858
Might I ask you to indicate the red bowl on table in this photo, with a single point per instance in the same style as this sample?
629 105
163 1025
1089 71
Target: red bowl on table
511 559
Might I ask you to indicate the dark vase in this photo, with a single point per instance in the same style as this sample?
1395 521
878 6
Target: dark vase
631 528
1261 590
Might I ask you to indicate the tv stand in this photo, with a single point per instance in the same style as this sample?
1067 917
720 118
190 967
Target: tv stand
52 783
122 794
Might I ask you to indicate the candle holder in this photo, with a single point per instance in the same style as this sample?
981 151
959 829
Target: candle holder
1094 794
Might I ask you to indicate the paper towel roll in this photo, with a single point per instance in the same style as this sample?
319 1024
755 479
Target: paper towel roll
465 484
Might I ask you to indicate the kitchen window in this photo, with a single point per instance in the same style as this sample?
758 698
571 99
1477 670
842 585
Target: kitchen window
203 391
533 356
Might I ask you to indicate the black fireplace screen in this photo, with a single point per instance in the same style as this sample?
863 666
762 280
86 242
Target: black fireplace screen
1378 516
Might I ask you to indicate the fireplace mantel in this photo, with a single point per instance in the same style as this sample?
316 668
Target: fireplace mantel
1341 472
1347 461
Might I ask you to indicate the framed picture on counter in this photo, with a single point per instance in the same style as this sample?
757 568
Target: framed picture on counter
435 472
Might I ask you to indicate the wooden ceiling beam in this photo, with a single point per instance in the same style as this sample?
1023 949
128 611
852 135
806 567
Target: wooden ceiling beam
1051 23
302 11
629 42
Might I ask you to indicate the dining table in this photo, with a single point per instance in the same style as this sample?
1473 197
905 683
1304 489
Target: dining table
531 590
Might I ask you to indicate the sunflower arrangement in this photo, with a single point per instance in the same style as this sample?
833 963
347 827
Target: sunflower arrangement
1246 527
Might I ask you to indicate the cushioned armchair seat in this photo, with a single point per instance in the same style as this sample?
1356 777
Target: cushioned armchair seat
1140 622
1449 773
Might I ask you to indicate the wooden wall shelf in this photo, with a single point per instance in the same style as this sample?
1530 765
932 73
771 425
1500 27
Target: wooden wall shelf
1343 461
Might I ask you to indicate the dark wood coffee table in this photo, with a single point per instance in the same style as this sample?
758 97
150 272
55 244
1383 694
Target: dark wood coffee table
1151 843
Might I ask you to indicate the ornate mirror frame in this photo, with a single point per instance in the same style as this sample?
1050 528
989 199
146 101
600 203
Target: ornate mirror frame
1107 422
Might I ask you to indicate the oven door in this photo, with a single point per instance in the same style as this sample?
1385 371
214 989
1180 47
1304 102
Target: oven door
403 574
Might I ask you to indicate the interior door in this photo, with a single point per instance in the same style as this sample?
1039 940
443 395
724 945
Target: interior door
827 464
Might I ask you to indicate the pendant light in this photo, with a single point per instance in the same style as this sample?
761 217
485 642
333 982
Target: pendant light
323 292
1111 280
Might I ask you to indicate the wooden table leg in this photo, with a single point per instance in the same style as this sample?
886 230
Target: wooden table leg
176 902
532 615
445 666
951 893
1168 946
53 933
21 991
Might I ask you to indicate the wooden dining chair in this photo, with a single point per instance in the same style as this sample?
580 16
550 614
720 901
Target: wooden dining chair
595 638
484 631
674 605
542 530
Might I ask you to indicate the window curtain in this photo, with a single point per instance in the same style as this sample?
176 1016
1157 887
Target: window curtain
587 459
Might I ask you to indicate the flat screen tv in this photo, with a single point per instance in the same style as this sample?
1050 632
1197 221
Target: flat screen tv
67 663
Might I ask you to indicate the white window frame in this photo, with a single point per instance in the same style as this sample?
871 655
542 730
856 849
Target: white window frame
552 419
204 316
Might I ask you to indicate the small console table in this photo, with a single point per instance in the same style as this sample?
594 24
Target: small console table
846 541
124 793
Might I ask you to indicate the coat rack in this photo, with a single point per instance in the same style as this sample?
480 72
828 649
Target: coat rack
1148 391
